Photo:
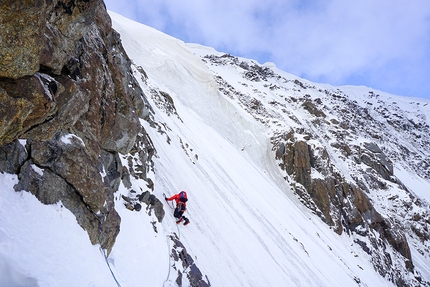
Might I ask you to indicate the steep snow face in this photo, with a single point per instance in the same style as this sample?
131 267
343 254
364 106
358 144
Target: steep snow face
247 228
256 104
340 125
213 127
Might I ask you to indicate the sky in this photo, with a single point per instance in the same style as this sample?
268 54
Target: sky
382 44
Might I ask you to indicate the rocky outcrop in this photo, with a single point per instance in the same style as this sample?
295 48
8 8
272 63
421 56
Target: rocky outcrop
342 204
184 265
69 107
373 156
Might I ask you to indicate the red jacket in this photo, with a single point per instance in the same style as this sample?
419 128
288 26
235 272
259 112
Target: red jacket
176 198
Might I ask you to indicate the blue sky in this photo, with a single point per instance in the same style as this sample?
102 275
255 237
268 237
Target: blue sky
382 44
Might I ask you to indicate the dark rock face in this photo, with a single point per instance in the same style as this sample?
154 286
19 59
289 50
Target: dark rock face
65 89
184 265
373 156
340 203
12 157
25 103
153 203
73 164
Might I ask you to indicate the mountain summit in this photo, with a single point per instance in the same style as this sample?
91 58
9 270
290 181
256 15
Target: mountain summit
289 182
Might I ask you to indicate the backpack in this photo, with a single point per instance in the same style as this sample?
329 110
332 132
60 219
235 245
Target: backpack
183 196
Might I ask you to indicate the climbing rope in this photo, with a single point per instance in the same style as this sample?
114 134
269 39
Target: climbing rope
107 262
170 260
169 239
101 239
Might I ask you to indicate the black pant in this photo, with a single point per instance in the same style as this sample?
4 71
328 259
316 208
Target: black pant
178 213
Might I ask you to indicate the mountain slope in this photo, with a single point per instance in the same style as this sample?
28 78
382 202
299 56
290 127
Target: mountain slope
250 90
244 231
289 182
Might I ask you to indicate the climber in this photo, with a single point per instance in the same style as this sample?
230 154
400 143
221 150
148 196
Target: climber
181 206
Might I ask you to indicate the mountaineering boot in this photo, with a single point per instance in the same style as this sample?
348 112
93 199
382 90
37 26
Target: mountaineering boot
179 220
187 221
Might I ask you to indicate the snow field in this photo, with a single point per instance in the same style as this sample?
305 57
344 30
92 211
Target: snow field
245 229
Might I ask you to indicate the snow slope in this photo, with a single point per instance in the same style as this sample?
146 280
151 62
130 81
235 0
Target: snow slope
245 231
247 228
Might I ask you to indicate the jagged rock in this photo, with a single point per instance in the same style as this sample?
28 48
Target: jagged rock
326 197
280 151
299 83
319 191
126 178
74 21
44 33
71 103
311 108
26 102
377 160
189 268
153 204
13 113
365 207
298 162
398 240
129 95
372 147
66 156
12 157
110 163
343 147
68 22
142 152
44 184
106 126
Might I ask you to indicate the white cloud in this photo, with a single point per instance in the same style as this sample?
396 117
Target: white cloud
332 41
